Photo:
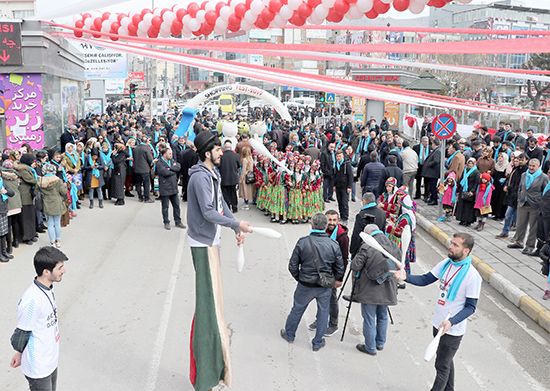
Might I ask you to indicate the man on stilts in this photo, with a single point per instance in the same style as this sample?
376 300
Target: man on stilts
206 213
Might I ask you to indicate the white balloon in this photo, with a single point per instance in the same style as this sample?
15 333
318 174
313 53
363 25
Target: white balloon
164 33
314 19
225 12
250 17
321 12
106 24
417 6
210 6
157 11
123 30
147 18
387 1
88 23
257 6
364 5
200 16
143 26
221 27
185 20
124 22
194 25
285 12
294 4
165 26
328 3
354 12
96 14
142 33
245 25
464 1
169 16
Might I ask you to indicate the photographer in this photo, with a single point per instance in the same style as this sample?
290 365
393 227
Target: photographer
316 264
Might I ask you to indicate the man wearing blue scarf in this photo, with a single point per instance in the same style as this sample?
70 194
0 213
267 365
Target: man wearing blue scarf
532 184
343 181
459 289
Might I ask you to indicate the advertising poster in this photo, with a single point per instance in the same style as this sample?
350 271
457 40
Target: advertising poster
21 103
69 102
391 112
359 107
103 63
93 106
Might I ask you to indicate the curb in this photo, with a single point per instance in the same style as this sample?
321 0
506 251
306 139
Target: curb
515 295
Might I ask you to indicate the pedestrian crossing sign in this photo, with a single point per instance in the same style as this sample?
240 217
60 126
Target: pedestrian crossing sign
330 97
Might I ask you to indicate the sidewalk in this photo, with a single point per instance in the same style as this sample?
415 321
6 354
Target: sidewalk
513 274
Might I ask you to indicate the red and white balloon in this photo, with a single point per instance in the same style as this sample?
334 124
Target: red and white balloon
222 17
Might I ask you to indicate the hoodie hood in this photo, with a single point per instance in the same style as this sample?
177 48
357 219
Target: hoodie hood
48 181
200 168
342 230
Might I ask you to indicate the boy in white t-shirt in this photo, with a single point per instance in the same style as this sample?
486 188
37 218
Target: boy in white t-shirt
36 338
459 289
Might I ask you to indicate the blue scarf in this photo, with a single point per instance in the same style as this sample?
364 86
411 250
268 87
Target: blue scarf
453 197
487 191
338 165
497 151
154 150
369 205
317 231
74 196
131 154
333 159
269 127
464 181
457 280
95 171
530 178
450 159
72 158
546 189
334 233
168 162
34 174
156 136
421 155
63 171
82 157
107 157
4 196
376 232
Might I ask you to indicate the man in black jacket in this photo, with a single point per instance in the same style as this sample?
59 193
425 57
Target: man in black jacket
370 213
391 171
143 161
511 187
328 163
187 159
422 150
431 172
168 170
343 181
313 254
229 171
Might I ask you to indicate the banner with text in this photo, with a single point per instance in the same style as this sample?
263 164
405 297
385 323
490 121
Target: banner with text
101 63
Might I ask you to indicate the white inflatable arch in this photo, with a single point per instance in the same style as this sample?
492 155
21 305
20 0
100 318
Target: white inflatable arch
243 89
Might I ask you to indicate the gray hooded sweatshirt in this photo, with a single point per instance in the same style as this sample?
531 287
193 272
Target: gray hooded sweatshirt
206 207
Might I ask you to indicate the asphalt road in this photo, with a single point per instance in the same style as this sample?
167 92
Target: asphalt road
126 303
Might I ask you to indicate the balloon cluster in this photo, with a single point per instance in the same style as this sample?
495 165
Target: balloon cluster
221 17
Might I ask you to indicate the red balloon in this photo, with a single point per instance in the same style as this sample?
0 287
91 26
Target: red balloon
176 28
206 29
192 9
275 6
153 32
267 15
114 38
132 30
78 34
79 24
247 3
156 22
341 7
372 14
145 12
86 15
97 23
197 33
219 7
401 5
234 23
334 17
136 19
180 13
240 10
296 19
114 27
120 16
313 3
304 11
105 15
380 8
261 24
210 17
351 1
203 4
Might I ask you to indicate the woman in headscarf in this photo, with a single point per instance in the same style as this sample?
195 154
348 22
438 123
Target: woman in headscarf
29 179
93 169
467 188
5 194
54 193
499 179
11 182
106 156
118 177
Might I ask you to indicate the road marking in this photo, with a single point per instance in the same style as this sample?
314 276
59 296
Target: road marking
158 347
316 356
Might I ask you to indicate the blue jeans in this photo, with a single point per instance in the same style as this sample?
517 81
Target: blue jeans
54 228
375 325
509 219
303 295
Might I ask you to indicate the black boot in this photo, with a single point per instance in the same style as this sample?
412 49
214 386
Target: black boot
101 204
91 204
9 247
4 256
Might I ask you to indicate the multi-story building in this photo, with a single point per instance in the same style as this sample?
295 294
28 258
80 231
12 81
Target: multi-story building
17 9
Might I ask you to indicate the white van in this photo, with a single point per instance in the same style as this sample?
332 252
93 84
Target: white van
308 102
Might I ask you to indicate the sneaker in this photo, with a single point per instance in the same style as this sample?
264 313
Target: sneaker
514 245
149 201
501 235
546 295
363 349
167 227
331 330
313 326
526 250
379 348
181 225
285 336
57 244
316 348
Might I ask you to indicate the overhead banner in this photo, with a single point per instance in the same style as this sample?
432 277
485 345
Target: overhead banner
101 63
21 104
114 86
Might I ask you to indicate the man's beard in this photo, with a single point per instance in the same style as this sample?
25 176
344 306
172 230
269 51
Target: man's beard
453 257
331 227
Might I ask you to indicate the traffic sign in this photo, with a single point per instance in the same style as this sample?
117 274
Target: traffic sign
330 97
444 126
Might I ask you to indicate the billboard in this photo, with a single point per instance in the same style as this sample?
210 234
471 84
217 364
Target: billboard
101 63
21 104
10 43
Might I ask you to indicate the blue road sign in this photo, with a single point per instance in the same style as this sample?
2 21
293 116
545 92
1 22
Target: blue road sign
444 126
330 97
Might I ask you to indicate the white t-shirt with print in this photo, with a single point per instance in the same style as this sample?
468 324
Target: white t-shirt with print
470 287
35 313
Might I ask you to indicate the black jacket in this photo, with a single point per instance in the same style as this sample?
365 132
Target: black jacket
430 168
143 159
536 153
373 215
327 164
302 264
343 177
512 186
370 177
168 177
390 171
229 168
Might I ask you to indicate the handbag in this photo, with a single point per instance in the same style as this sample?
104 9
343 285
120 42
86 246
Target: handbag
250 178
467 196
325 280
485 210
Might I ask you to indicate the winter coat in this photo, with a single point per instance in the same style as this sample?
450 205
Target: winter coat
168 177
327 164
118 176
4 204
27 184
54 194
512 186
246 191
87 169
343 177
431 167
229 168
390 171
302 264
370 177
532 196
143 159
457 165
375 284
11 182
373 215
342 239
410 160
